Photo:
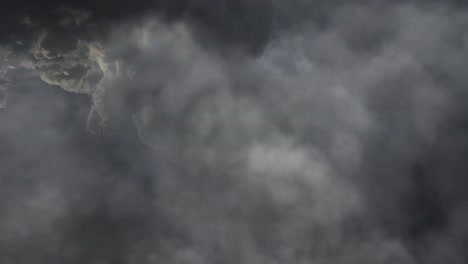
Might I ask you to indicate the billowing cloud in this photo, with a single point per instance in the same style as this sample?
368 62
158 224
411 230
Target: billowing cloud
234 131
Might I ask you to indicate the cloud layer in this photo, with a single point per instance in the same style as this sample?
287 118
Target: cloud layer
233 132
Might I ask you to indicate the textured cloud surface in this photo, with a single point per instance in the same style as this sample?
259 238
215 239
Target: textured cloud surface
225 131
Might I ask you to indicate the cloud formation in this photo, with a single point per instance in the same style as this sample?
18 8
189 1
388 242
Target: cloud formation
233 132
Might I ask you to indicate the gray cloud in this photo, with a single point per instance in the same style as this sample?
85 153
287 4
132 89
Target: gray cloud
336 136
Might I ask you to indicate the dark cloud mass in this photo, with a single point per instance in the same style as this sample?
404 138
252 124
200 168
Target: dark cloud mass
222 131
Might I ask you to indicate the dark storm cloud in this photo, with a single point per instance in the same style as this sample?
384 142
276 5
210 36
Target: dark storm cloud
233 23
235 132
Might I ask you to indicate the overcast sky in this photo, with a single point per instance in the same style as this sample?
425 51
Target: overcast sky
233 131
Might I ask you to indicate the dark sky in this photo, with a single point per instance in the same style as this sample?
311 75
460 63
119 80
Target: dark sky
222 131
